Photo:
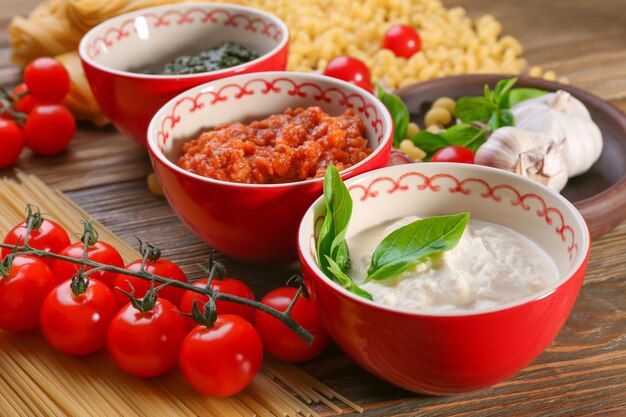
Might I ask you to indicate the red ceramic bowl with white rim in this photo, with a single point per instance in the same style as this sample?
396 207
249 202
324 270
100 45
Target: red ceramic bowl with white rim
254 222
449 353
112 50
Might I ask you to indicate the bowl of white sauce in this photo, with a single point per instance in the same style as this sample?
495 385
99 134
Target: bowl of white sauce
466 318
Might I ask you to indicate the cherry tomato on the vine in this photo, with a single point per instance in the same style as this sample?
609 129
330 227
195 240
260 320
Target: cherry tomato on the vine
222 360
4 115
100 252
224 285
348 69
78 324
49 129
454 153
47 80
403 40
22 291
163 268
283 343
11 143
146 344
24 101
49 236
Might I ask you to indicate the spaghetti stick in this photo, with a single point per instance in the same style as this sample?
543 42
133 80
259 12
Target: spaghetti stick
285 400
254 405
268 370
241 408
20 407
53 390
50 365
40 404
291 373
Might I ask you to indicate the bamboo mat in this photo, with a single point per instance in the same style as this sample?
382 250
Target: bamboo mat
35 380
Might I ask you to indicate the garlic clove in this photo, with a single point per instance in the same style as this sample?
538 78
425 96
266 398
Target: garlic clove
544 164
563 116
531 154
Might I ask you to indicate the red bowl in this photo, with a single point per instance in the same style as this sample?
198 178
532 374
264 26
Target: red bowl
254 222
449 353
131 41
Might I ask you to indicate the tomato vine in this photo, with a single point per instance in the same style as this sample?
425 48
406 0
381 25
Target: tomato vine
148 251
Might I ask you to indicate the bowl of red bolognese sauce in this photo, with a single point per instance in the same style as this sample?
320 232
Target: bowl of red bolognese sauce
240 159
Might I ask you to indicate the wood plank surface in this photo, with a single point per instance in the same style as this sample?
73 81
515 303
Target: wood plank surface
582 373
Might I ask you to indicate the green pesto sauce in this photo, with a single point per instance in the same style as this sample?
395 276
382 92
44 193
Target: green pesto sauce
222 56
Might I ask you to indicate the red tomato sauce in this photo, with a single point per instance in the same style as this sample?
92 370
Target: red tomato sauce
292 146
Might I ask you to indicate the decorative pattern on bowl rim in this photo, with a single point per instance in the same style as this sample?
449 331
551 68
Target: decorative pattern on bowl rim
238 91
255 25
564 230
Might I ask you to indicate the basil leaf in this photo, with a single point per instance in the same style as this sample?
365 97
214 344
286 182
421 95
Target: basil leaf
340 277
355 289
332 249
429 143
506 118
502 87
399 114
324 241
346 282
494 121
464 135
472 109
517 95
330 241
341 253
489 95
404 247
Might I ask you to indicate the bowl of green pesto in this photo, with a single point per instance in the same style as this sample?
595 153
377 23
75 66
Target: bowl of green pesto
222 56
137 62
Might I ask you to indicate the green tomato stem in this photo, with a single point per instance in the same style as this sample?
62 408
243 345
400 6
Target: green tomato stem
284 317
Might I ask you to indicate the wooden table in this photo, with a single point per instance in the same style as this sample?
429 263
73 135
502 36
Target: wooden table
582 373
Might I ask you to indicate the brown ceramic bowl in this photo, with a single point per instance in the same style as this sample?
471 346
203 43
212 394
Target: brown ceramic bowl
600 193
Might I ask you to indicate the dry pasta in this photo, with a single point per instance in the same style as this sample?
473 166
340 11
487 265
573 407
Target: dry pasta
35 380
80 98
452 43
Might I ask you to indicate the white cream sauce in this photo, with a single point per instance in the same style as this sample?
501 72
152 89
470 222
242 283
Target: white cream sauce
491 265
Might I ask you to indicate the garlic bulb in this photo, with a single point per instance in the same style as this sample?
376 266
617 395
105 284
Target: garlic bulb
562 116
531 154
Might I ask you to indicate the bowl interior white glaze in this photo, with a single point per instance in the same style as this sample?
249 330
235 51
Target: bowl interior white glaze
250 97
150 37
488 194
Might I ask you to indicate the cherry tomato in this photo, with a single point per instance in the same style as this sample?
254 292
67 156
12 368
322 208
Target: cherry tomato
454 153
403 40
364 85
11 143
224 359
22 292
146 344
26 103
3 115
47 80
101 252
161 267
78 324
278 340
49 237
226 286
348 69
49 129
